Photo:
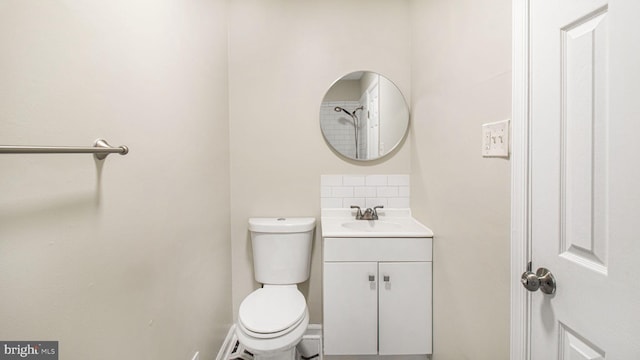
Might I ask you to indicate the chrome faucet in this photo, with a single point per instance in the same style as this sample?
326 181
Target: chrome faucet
369 214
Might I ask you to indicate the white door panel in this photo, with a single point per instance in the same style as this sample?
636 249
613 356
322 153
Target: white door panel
580 192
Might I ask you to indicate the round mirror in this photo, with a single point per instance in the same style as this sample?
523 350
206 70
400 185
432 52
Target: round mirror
364 116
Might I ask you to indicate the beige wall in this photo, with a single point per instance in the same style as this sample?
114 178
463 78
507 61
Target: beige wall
461 73
137 253
130 261
283 56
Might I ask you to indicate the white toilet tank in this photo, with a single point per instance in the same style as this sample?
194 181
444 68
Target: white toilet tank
281 249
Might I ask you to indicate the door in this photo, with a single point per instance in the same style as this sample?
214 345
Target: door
350 305
372 117
405 308
584 160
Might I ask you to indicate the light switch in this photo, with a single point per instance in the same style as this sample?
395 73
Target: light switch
495 139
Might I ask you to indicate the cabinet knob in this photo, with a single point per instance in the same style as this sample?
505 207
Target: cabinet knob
387 281
372 278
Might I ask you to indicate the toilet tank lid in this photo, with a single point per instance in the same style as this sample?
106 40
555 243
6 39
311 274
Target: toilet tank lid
282 224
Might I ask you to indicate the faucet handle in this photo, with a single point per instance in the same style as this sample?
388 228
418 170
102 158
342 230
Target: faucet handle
359 213
375 210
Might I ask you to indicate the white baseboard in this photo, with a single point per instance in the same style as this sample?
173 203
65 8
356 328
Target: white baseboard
227 344
311 342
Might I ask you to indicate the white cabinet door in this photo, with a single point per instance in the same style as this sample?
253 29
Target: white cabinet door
405 308
350 308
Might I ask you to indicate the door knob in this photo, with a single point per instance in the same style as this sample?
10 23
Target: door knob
530 280
547 281
542 279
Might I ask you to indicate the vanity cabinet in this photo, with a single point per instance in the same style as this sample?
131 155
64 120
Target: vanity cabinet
377 296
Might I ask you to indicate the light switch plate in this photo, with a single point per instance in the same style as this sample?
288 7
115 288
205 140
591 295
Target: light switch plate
495 139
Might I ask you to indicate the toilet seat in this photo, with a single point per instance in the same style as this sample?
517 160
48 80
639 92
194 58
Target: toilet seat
272 319
272 311
261 336
284 342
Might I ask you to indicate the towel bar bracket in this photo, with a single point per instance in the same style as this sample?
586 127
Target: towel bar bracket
103 144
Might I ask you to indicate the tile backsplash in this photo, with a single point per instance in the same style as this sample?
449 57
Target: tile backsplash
342 191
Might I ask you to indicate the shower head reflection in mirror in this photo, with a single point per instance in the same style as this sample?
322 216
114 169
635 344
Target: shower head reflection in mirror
355 122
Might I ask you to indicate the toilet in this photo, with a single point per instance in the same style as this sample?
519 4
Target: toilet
272 319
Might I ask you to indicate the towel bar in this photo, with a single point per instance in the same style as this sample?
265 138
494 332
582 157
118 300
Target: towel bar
100 149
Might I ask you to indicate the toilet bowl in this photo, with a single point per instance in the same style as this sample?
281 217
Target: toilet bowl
272 319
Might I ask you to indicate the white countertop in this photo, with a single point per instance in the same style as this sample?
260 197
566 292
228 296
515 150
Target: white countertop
391 223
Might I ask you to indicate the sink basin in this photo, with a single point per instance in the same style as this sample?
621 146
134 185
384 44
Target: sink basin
392 223
372 225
